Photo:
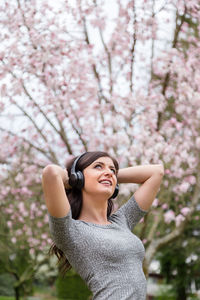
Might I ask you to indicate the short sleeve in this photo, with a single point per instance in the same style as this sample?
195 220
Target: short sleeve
130 213
61 230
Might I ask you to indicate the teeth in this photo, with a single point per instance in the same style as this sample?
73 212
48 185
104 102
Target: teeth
105 181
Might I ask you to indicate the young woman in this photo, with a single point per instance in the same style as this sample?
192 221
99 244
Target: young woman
97 243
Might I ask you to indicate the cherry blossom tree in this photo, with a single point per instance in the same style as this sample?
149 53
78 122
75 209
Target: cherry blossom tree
76 78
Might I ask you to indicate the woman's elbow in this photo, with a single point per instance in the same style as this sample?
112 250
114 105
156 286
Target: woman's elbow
160 170
49 171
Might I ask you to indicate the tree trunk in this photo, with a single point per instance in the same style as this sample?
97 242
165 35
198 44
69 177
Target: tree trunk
17 295
181 294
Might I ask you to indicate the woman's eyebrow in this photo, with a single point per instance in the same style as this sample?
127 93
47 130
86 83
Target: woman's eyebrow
104 164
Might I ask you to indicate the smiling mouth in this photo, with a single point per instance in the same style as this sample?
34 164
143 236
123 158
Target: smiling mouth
105 184
105 181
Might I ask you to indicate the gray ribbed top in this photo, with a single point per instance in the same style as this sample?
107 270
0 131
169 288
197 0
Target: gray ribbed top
107 257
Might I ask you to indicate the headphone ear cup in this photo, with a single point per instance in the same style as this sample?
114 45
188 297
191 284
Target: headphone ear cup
76 180
73 179
80 180
116 191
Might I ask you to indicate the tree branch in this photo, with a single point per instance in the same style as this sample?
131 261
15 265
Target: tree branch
96 74
174 44
77 131
133 47
109 61
160 242
40 110
29 143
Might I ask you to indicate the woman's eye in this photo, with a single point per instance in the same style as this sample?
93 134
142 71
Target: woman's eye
111 169
97 166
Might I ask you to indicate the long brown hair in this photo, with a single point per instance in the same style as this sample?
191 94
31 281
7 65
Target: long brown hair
75 200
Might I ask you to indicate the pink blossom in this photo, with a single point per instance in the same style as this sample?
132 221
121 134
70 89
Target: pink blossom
46 219
179 220
32 251
176 198
185 211
20 219
8 210
39 224
5 191
184 187
21 207
9 223
33 207
13 240
19 232
44 236
142 220
155 202
39 213
33 241
19 177
29 232
165 206
25 191
25 228
169 216
14 217
3 90
167 171
190 179
98 23
43 243
32 216
166 183
61 116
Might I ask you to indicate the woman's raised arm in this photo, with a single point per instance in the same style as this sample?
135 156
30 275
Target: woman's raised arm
150 178
54 182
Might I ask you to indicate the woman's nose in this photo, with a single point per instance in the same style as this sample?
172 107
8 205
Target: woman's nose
108 171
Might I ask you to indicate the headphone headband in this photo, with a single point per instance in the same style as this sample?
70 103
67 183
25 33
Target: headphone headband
73 169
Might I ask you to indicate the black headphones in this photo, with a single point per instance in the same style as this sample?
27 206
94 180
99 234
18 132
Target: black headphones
76 179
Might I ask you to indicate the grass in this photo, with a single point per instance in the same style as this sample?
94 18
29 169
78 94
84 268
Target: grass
45 293
37 296
40 293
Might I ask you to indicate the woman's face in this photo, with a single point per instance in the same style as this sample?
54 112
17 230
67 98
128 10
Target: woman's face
100 177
